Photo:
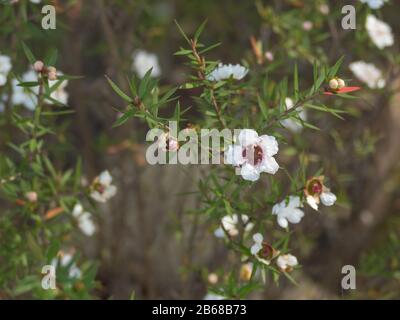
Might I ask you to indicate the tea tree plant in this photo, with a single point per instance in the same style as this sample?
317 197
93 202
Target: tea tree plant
236 97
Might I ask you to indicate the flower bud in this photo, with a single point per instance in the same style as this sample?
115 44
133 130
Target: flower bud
333 84
341 83
212 278
52 76
31 196
38 66
52 73
245 271
269 55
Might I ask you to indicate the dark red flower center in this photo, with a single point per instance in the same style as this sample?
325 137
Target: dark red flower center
315 187
254 154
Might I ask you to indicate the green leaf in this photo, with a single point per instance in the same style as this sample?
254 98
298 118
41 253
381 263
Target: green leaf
28 53
28 84
200 30
333 71
263 108
118 90
125 117
143 86
296 82
51 59
182 32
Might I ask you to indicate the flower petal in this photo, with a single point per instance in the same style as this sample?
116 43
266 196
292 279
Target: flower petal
312 202
269 145
282 222
269 165
249 172
248 137
258 237
328 198
233 155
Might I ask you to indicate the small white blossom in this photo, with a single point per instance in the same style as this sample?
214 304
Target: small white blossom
213 296
316 192
257 246
253 155
230 223
144 61
291 124
286 262
225 71
379 32
23 95
84 220
102 189
5 67
368 73
374 4
66 261
288 212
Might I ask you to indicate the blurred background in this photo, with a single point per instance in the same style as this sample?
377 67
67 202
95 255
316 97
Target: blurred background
149 243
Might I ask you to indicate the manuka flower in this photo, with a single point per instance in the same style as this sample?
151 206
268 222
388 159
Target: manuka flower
226 71
102 189
144 61
65 260
84 219
25 96
288 211
379 32
286 262
316 192
253 155
262 250
230 223
5 67
374 4
368 73
291 124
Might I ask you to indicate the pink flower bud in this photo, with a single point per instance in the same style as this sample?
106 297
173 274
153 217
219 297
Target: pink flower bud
269 55
38 66
31 196
307 25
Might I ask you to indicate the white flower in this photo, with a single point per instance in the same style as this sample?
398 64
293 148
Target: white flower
84 220
144 61
102 188
374 4
288 212
327 198
379 32
257 246
224 71
230 223
291 124
368 73
35 1
25 96
253 155
286 262
317 192
59 94
5 67
213 296
66 261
